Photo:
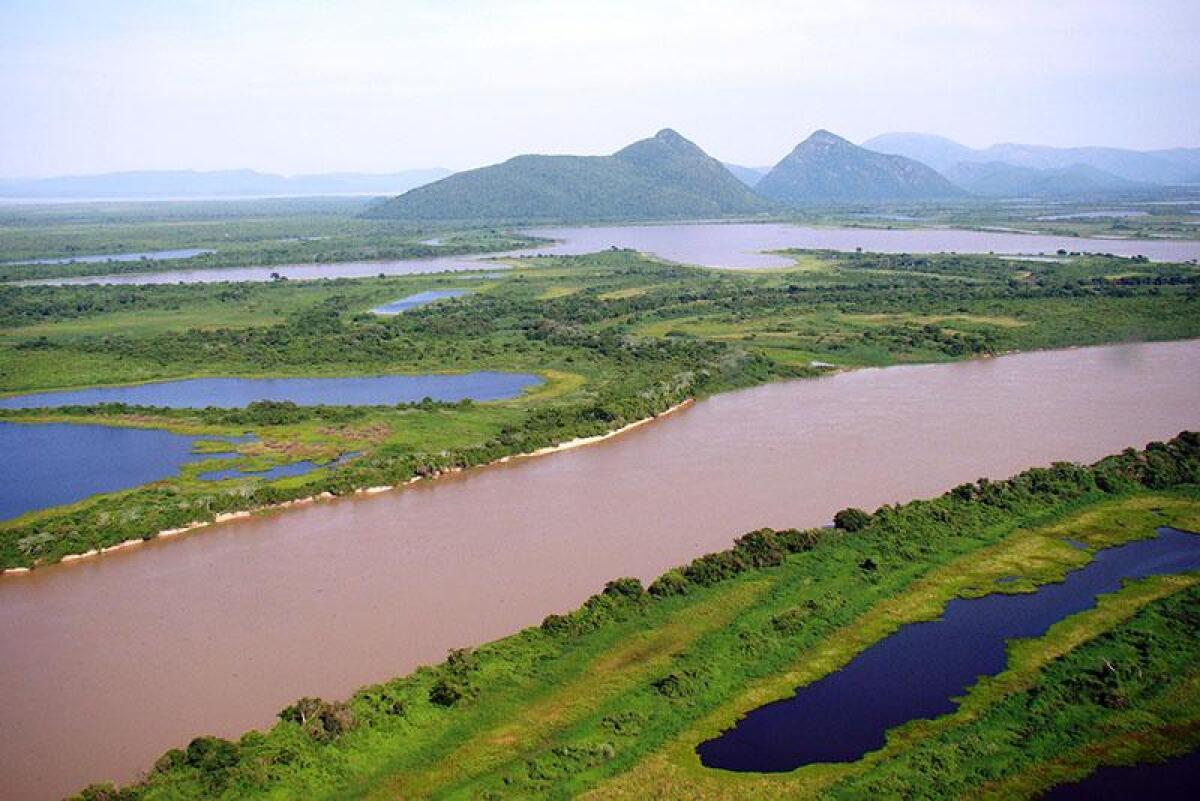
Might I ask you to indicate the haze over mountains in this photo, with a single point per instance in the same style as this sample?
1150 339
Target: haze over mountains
999 180
663 177
668 177
1110 167
218 183
750 176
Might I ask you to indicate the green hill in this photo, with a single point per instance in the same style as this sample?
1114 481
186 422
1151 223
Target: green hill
664 177
825 168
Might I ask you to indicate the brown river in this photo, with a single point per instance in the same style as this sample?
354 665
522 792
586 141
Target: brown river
107 662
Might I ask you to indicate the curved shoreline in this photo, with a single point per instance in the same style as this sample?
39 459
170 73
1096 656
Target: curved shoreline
225 517
567 445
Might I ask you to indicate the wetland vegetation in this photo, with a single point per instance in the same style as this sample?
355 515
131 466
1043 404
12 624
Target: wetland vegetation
616 336
245 233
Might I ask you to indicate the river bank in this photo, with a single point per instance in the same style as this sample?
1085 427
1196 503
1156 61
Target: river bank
225 517
733 629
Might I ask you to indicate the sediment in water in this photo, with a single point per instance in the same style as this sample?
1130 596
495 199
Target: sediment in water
225 517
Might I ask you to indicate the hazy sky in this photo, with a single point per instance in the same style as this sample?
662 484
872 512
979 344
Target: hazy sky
295 86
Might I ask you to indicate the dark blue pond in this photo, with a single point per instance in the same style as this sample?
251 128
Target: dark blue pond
236 392
1174 780
419 299
47 464
916 672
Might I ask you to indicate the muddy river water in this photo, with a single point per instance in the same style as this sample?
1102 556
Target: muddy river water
107 662
731 245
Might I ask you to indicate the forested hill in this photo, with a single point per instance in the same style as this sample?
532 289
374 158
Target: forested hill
827 168
663 177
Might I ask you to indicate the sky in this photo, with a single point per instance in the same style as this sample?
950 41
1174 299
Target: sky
304 86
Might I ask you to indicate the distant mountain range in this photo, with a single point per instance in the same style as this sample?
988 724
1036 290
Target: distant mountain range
826 168
663 177
220 183
1163 167
667 177
1000 180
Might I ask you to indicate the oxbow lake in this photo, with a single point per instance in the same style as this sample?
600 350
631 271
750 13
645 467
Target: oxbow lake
1177 779
112 660
918 671
237 392
730 245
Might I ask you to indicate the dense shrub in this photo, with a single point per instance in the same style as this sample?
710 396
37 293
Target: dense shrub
851 520
673 582
448 691
628 723
759 549
624 588
320 719
681 684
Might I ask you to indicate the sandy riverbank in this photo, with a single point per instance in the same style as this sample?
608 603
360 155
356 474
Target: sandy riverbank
225 517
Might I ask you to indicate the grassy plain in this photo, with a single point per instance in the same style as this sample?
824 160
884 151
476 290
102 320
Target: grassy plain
242 232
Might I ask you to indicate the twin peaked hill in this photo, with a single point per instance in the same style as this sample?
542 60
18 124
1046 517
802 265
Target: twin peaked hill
664 177
661 178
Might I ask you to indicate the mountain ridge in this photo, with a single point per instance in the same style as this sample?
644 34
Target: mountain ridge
999 179
1167 166
665 176
215 183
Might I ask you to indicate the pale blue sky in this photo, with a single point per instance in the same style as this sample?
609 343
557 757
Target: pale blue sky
379 85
